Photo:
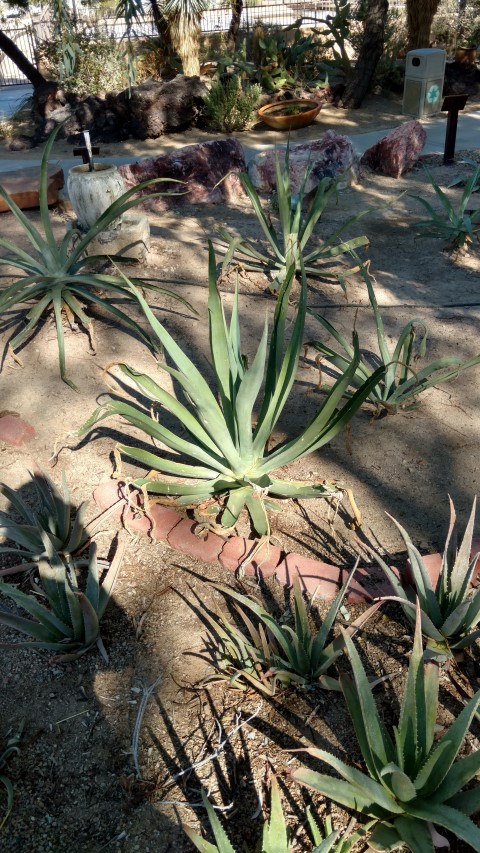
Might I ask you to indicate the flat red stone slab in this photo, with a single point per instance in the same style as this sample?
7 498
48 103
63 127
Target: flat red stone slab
15 431
23 186
183 538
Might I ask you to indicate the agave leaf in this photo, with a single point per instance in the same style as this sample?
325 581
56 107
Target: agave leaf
451 819
440 760
46 617
398 782
40 630
92 590
415 833
110 579
357 792
467 802
385 838
459 577
90 621
275 838
380 747
460 773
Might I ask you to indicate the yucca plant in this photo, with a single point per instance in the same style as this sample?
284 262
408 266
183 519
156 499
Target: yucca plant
229 452
70 625
458 225
412 783
401 383
450 610
12 747
53 520
271 652
289 249
59 275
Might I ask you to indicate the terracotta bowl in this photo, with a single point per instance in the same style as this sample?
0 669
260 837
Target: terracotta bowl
271 114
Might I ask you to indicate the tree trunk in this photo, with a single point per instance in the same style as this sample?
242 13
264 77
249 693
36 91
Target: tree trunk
370 52
233 30
14 53
420 15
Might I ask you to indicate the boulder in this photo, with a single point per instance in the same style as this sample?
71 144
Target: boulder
397 152
200 168
331 156
157 107
23 186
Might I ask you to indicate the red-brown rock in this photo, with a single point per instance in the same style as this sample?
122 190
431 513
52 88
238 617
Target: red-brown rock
15 431
331 156
199 167
184 539
22 185
397 152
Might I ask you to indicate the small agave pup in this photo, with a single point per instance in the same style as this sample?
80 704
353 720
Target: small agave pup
230 454
412 782
450 612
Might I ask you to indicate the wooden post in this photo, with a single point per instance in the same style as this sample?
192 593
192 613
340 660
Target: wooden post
452 104
83 153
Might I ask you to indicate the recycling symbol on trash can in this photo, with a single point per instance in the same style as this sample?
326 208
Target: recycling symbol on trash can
433 94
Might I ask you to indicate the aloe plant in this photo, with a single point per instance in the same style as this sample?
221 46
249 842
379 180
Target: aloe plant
456 224
70 625
402 381
296 228
57 275
450 610
412 783
52 520
272 652
230 454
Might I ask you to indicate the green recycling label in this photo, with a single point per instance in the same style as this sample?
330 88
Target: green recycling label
433 94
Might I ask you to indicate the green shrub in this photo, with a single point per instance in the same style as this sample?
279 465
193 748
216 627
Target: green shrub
229 106
99 67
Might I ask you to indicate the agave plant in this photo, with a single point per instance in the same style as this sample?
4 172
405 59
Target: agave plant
450 611
272 652
53 520
230 454
296 228
402 382
412 783
58 275
70 625
456 224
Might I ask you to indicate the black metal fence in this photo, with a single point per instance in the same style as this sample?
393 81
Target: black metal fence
215 20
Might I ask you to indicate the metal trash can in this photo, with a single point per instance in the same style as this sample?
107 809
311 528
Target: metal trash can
424 75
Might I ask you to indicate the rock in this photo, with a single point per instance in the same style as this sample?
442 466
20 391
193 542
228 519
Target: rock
328 157
21 143
130 240
200 167
23 186
157 107
397 152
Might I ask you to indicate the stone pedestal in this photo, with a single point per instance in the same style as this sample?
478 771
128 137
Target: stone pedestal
131 240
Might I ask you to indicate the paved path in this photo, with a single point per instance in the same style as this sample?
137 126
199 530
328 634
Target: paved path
468 135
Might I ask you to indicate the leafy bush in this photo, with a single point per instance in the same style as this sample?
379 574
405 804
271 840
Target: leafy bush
272 652
401 383
99 67
450 612
70 625
57 275
458 225
230 454
230 106
296 228
411 782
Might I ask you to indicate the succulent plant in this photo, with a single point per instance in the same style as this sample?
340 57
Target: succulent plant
70 625
231 454
450 611
411 783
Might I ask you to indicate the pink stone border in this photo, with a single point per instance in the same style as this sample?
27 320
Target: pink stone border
164 524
